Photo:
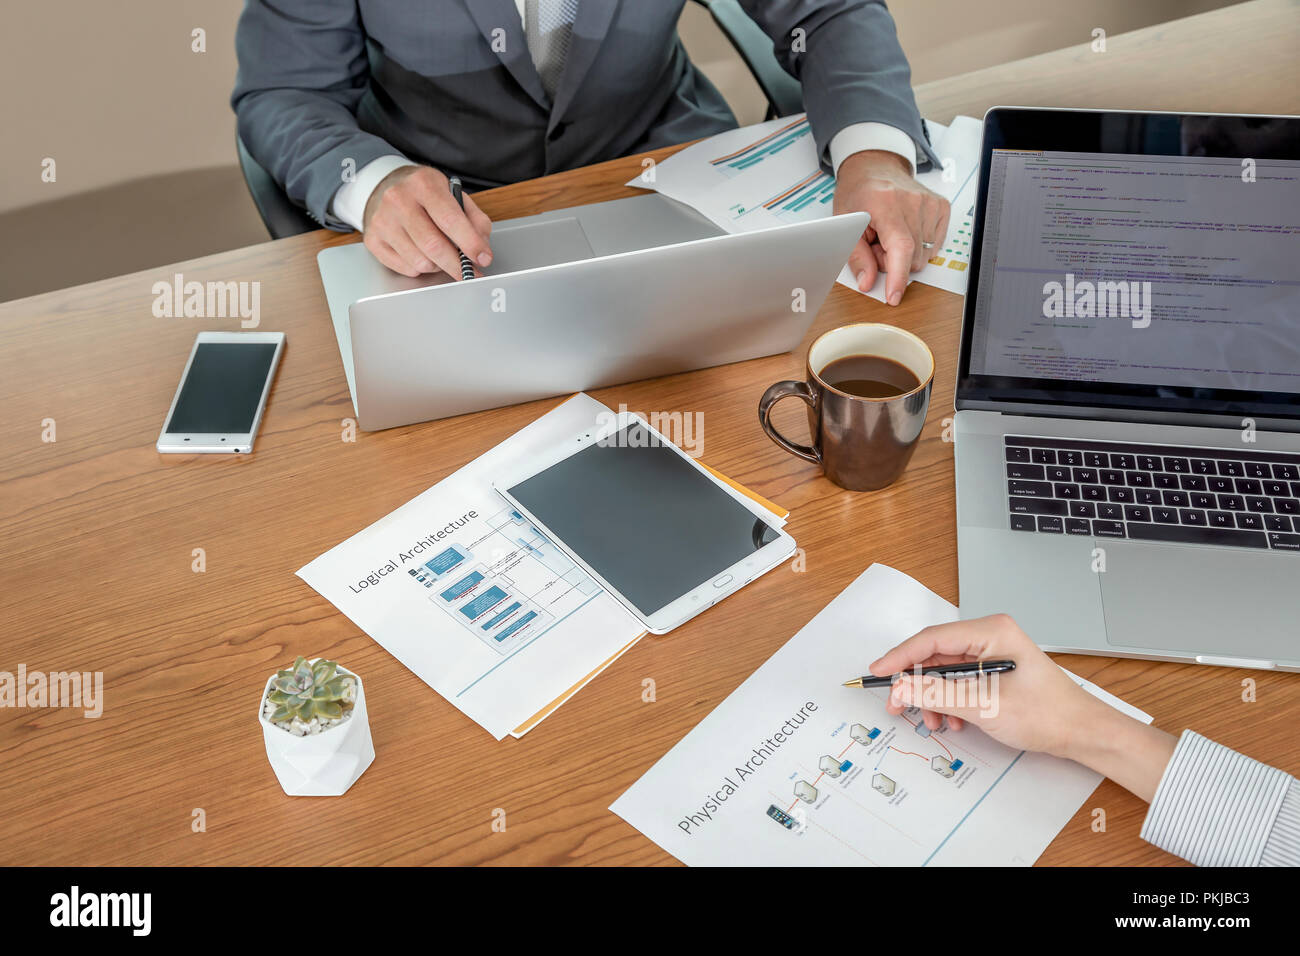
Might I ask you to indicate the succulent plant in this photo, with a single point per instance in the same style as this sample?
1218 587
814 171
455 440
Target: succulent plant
309 690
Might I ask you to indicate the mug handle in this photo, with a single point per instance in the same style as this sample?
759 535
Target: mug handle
773 395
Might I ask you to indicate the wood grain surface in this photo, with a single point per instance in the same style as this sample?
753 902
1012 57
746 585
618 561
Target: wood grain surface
97 533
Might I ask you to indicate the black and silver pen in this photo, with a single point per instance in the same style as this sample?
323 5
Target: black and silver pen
457 190
964 670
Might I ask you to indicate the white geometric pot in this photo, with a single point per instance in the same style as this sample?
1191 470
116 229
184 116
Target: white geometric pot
323 764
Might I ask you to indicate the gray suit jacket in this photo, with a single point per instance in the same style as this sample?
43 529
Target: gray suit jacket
329 85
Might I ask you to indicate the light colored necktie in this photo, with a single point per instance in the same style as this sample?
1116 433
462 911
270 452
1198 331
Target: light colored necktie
548 27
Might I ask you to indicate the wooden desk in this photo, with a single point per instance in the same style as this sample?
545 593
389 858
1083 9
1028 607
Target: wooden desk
97 533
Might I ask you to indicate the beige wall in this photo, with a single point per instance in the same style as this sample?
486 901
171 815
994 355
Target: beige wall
946 37
110 90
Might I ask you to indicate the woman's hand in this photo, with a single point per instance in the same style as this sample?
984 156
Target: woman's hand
1030 708
1035 707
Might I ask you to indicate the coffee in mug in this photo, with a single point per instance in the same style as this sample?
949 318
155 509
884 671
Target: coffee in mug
869 376
867 392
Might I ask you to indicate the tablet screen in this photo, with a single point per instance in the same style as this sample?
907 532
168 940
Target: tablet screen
644 518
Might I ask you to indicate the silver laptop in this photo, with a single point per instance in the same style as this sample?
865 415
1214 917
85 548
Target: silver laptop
1128 394
575 299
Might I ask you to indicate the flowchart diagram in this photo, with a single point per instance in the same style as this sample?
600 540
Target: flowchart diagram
507 585
834 767
893 772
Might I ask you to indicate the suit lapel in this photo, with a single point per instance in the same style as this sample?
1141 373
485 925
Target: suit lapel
589 29
511 47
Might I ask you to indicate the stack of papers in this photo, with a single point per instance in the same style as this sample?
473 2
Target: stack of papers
766 175
795 769
476 601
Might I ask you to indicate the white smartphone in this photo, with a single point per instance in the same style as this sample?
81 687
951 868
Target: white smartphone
659 533
219 402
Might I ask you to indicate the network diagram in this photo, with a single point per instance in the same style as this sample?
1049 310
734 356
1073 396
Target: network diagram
887 763
506 587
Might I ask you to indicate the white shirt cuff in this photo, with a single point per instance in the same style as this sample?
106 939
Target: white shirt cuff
1214 806
349 202
861 136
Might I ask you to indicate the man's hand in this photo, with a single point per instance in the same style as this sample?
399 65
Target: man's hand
413 225
904 217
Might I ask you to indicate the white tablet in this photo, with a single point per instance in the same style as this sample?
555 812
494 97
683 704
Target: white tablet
656 530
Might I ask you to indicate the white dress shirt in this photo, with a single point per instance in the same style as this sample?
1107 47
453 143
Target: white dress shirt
349 202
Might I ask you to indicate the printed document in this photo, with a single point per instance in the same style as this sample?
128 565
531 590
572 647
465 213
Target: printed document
766 175
795 769
473 599
482 606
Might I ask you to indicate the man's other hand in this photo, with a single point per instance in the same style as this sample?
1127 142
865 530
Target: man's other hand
413 224
904 217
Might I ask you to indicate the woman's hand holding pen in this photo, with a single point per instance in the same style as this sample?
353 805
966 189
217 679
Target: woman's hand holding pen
1017 714
1035 707
414 225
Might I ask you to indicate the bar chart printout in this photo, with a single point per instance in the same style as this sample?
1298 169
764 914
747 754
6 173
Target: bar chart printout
769 174
763 148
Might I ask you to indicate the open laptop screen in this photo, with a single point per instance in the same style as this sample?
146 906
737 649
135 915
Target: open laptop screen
1143 260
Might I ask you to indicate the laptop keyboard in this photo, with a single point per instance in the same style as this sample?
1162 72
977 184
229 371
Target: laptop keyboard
1212 496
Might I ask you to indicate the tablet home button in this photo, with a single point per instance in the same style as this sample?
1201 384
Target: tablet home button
722 581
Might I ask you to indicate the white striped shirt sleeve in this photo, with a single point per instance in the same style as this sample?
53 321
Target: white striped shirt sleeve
1217 807
1282 848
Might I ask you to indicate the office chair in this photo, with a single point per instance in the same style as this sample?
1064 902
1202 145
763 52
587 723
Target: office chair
283 218
784 96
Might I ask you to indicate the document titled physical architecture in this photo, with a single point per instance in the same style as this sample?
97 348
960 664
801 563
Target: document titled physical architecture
795 769
766 175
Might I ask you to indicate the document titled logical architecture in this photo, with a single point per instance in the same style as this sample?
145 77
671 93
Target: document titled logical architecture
794 768
474 599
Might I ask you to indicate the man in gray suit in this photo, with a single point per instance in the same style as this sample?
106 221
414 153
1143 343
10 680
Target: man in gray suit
361 109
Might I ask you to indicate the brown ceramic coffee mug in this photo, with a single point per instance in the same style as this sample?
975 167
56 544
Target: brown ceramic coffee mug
865 430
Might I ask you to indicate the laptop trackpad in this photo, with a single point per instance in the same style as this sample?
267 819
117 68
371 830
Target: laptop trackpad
1207 601
537 244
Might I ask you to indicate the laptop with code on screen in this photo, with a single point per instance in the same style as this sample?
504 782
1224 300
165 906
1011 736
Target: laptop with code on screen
1128 394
